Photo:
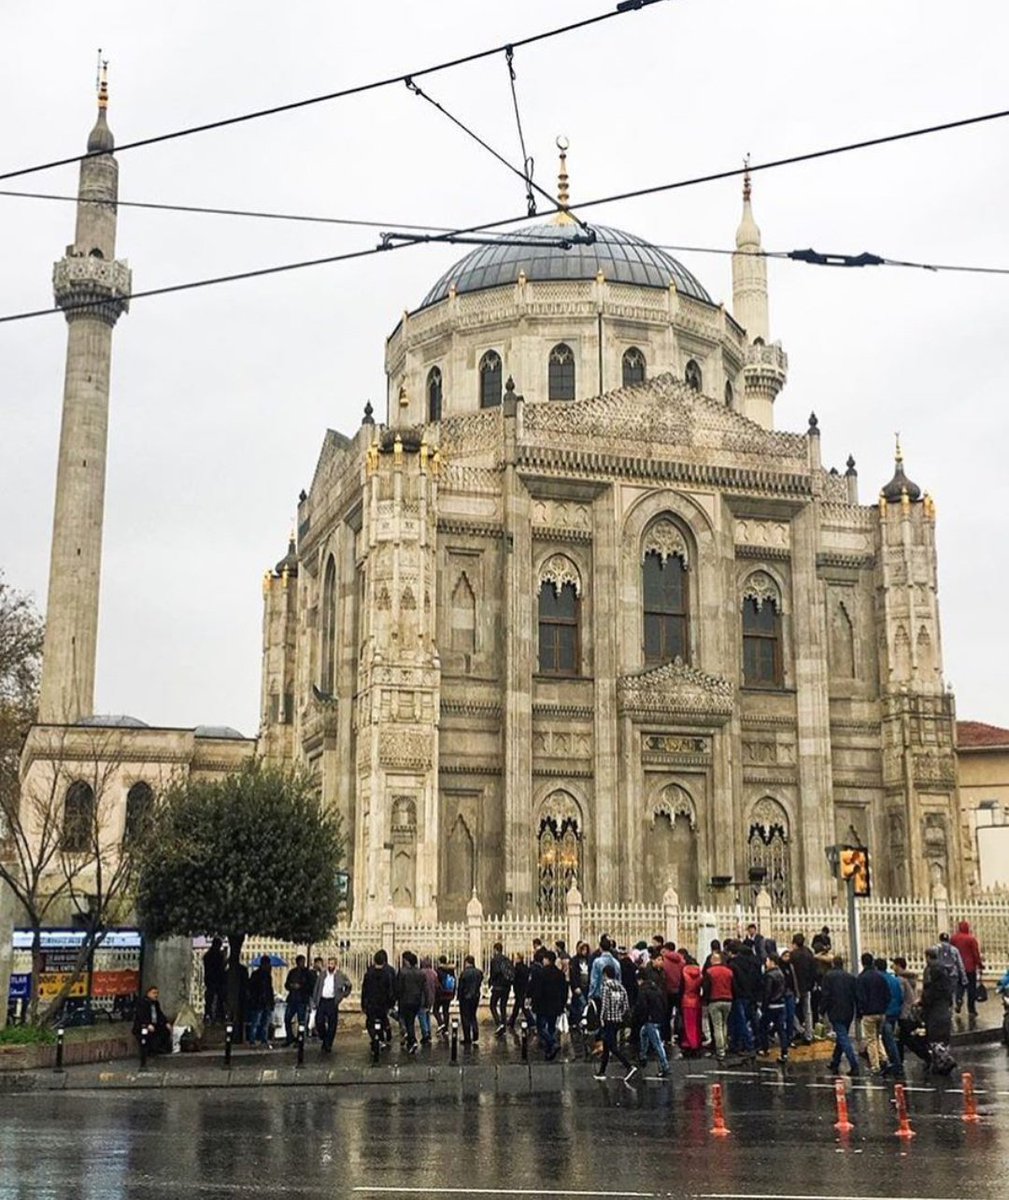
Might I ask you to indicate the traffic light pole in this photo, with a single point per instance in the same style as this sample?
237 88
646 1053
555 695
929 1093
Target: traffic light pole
854 930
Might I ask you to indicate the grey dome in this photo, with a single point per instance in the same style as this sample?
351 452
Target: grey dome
218 731
622 258
113 721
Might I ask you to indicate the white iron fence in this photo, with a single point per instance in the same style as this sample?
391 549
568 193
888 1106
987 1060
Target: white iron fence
887 927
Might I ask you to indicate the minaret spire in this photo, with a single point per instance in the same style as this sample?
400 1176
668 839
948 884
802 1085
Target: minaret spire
92 287
563 217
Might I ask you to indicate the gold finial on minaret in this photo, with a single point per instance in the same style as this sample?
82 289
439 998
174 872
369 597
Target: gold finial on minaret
103 81
563 217
898 453
746 179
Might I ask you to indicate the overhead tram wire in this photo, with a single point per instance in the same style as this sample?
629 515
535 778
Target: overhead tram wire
447 237
527 161
341 94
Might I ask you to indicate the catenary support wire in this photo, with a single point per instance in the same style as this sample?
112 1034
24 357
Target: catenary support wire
527 161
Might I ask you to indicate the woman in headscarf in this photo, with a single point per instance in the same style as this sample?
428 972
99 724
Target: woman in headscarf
690 1008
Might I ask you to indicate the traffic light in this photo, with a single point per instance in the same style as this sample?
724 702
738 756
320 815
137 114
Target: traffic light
854 865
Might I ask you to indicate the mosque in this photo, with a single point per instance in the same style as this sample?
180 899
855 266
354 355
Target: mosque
570 608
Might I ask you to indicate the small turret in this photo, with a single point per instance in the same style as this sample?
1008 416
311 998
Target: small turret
900 486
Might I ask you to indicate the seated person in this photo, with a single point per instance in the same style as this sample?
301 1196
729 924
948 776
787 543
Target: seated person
150 1017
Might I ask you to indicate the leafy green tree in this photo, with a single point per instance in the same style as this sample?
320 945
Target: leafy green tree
252 853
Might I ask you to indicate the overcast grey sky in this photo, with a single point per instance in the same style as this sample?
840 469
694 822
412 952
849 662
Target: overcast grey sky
221 398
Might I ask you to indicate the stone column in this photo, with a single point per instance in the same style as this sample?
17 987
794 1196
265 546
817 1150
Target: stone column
474 923
614 880
671 915
574 910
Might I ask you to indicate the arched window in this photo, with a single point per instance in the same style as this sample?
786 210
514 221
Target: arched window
561 374
761 632
139 810
729 394
692 374
79 817
665 594
434 394
559 615
327 675
768 845
558 851
634 367
490 380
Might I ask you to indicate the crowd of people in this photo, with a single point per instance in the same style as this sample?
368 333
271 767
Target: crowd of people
748 998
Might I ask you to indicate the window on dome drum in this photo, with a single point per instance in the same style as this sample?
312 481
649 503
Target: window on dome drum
634 367
666 605
434 394
561 376
692 374
139 809
559 635
761 644
490 380
78 817
729 394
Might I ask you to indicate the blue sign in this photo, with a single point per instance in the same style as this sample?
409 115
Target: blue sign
21 986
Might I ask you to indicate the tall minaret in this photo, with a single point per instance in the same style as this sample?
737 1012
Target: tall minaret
92 287
766 365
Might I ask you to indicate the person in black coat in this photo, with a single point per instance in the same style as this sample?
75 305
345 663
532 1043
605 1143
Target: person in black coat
520 985
260 1001
647 1017
550 1001
151 1020
839 1005
378 998
936 1000
747 986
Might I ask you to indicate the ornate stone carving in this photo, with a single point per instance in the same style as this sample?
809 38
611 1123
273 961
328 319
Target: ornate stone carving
664 539
674 802
562 514
931 768
665 743
559 570
383 600
404 749
675 687
408 600
751 532
102 285
762 589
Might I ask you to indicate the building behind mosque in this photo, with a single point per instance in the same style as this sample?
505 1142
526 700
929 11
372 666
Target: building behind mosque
572 607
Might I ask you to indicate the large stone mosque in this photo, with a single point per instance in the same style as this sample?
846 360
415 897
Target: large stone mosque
572 607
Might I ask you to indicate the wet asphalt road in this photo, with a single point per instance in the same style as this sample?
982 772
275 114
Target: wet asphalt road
599 1139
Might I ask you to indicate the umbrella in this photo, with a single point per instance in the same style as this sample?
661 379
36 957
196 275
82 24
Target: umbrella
275 960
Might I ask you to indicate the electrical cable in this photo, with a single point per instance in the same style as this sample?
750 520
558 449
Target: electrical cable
387 247
343 93
417 90
527 162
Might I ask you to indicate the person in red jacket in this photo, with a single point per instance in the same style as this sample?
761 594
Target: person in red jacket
672 963
970 952
719 992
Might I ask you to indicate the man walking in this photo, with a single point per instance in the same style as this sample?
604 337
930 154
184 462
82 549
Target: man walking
215 982
967 947
296 985
330 988
746 984
260 1001
470 983
551 997
378 997
804 966
648 1016
872 994
717 990
613 1011
502 973
952 964
410 986
838 1002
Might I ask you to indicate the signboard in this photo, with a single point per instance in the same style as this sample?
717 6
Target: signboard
57 968
112 975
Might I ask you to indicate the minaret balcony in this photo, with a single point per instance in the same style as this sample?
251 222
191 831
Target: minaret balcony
87 279
767 355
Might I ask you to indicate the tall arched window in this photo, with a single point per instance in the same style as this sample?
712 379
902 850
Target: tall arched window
490 380
633 367
559 616
434 394
761 632
692 374
558 851
665 594
79 817
561 373
768 845
139 810
327 674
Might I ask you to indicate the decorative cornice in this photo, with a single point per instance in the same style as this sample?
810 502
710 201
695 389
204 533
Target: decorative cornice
470 708
478 529
461 768
675 687
544 533
777 552
574 711
84 286
834 558
562 772
756 775
768 722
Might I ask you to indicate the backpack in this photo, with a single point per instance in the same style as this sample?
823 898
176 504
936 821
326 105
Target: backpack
508 971
448 983
943 1063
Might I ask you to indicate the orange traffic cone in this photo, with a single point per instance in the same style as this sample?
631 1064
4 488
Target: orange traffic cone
904 1129
969 1103
719 1129
842 1124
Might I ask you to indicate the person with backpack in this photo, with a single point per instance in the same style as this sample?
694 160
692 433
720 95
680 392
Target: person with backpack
470 983
613 1012
445 994
502 974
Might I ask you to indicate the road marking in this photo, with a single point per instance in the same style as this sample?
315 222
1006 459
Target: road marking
472 1191
793 1196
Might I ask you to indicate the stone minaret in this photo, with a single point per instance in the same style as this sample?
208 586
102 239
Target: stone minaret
765 365
92 287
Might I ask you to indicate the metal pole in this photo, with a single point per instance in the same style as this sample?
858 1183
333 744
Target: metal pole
376 1041
59 1050
585 1038
228 1033
301 1043
854 932
143 1048
525 1040
455 1039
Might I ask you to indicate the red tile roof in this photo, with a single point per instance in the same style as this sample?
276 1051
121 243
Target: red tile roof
973 735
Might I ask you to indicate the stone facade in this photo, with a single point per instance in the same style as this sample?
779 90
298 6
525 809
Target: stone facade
474 736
